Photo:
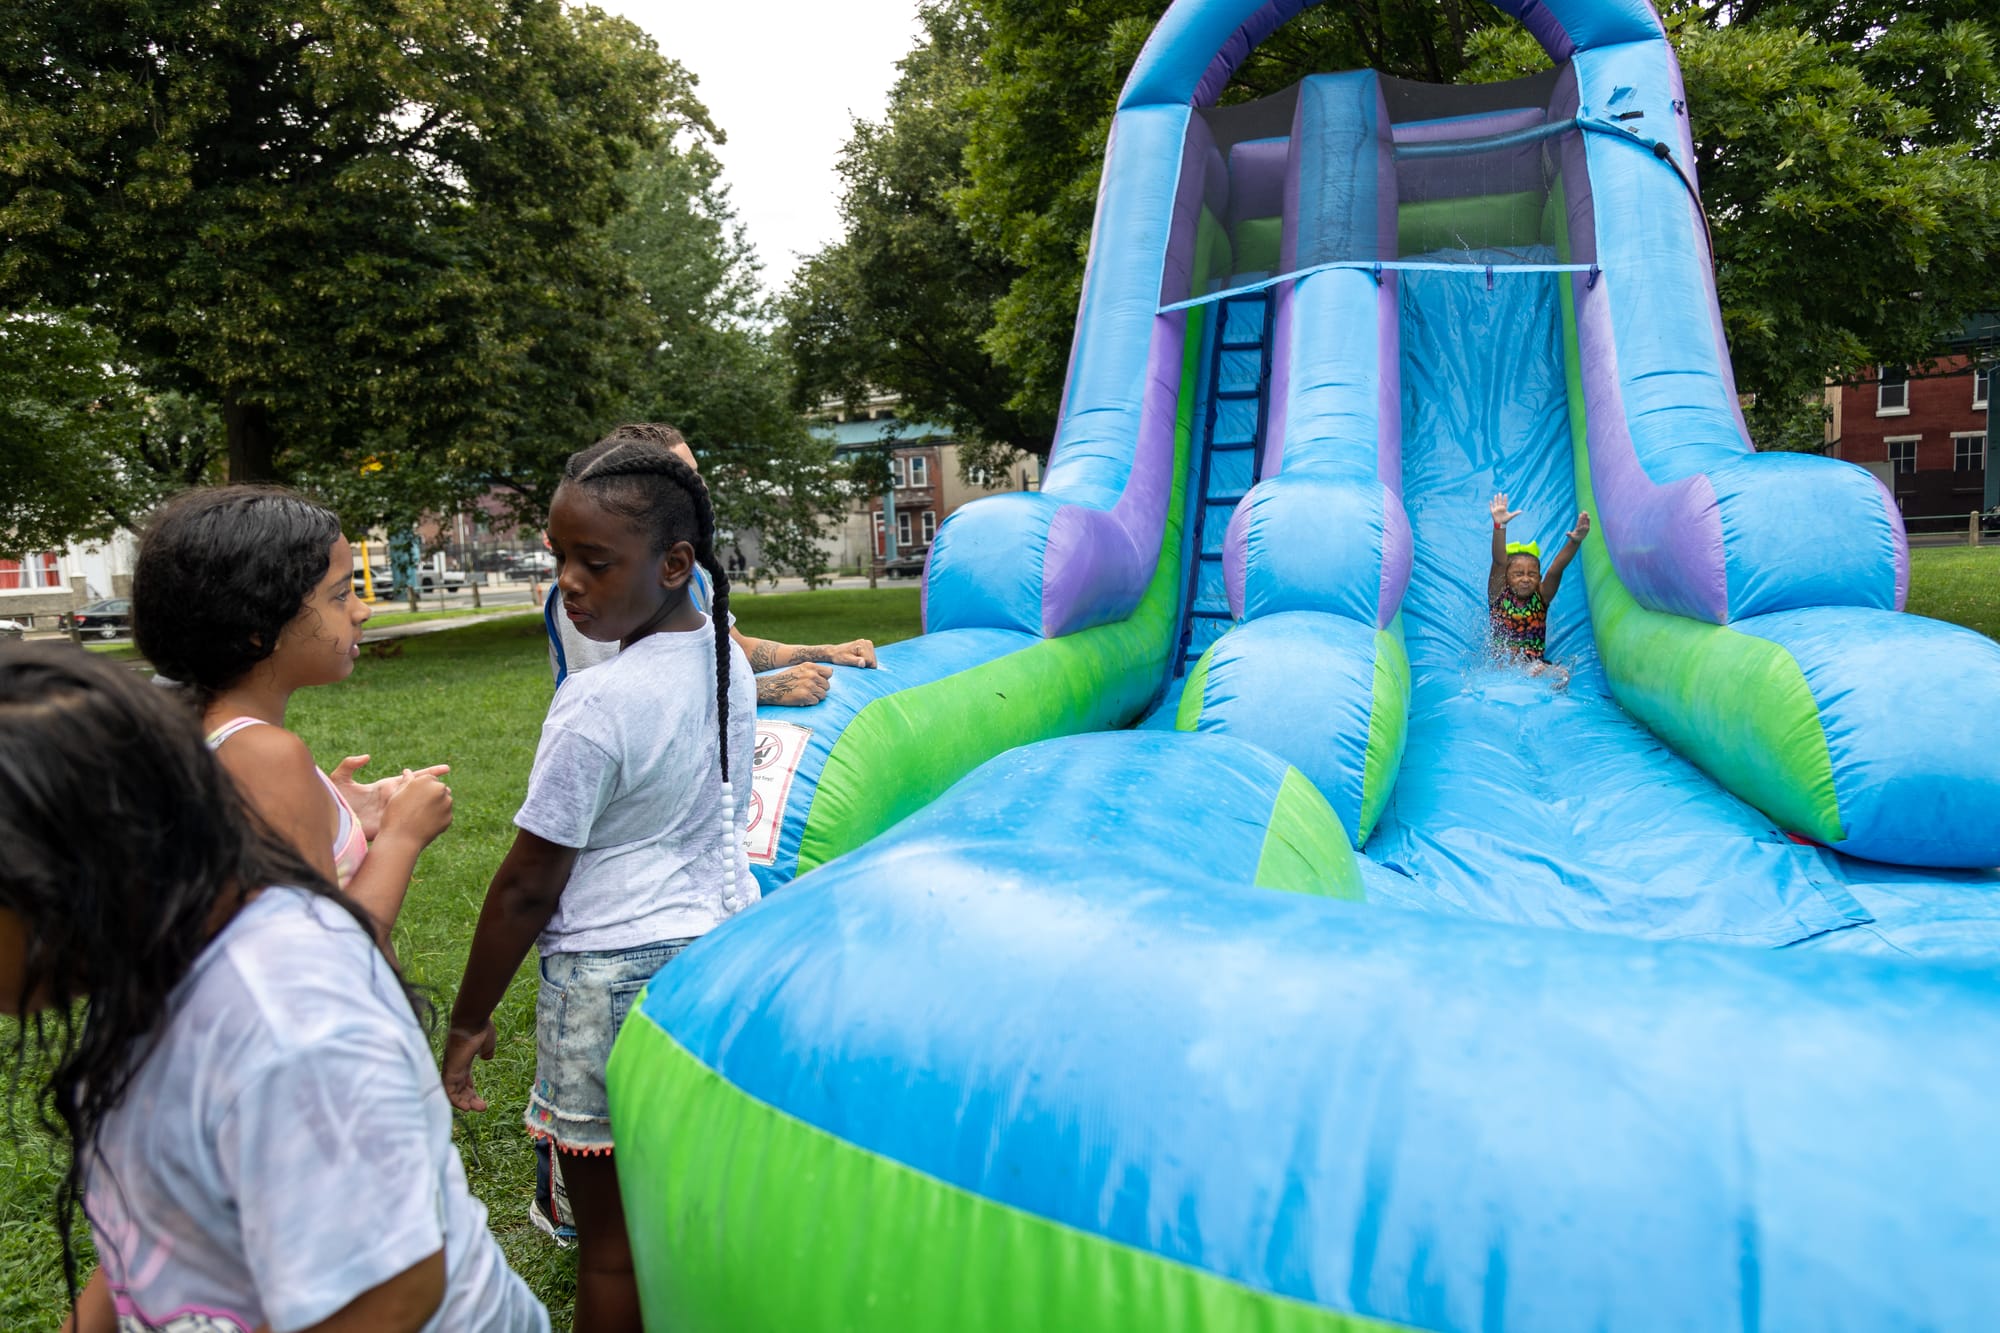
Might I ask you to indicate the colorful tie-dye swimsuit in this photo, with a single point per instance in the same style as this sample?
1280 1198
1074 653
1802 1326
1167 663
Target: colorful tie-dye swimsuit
1519 626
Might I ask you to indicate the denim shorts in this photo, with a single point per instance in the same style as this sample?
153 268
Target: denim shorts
583 999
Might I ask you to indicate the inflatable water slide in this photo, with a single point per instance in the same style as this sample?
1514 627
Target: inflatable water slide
1196 929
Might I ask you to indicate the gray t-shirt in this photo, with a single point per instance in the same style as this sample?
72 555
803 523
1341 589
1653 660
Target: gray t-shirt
287 1145
627 772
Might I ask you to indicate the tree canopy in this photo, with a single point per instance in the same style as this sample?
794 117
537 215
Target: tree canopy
398 256
903 302
1848 150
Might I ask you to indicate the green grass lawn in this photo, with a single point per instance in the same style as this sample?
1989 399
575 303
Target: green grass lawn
1957 583
473 698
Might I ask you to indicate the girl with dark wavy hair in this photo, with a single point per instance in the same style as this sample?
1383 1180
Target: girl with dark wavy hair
630 842
227 1047
243 595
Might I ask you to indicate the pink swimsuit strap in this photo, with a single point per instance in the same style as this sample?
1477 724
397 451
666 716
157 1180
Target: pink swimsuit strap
350 845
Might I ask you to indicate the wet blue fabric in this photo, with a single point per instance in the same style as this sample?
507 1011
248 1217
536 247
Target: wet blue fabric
1450 1124
1517 802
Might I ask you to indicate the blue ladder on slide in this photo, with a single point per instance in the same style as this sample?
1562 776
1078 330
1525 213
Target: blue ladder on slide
1232 460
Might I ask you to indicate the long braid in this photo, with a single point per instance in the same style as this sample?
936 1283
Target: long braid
627 453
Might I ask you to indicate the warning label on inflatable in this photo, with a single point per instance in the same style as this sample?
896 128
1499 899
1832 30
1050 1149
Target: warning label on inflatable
780 746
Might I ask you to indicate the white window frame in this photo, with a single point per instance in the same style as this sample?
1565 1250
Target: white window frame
980 477
920 470
1958 435
896 472
1889 444
927 525
1884 408
903 538
1982 385
38 571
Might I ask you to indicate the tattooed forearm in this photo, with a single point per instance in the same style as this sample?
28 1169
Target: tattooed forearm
771 689
763 655
819 652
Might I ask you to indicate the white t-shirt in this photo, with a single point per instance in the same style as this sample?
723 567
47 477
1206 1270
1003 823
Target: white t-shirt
287 1145
627 772
569 651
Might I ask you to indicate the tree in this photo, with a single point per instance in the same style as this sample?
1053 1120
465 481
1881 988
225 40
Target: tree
714 368
903 302
347 230
66 411
1846 156
691 347
1846 148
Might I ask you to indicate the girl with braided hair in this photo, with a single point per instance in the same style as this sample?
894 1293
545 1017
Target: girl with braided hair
791 675
629 845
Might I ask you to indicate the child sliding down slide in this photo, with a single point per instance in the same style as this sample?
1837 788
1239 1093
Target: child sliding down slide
1518 593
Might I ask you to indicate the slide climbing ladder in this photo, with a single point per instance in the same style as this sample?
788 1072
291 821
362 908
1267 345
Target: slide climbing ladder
1232 438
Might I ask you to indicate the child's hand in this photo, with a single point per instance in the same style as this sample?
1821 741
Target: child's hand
421 807
1581 530
1502 515
460 1045
368 800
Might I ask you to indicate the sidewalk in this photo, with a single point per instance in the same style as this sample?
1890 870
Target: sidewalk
411 628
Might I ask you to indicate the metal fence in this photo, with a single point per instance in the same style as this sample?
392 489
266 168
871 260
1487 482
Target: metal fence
1974 528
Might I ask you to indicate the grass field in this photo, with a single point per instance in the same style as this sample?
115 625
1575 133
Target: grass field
1957 583
472 698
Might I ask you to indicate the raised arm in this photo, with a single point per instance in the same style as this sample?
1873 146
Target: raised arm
1553 575
1496 578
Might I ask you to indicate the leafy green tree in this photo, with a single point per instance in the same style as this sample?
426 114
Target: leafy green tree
903 302
356 232
1846 154
690 345
1846 148
67 412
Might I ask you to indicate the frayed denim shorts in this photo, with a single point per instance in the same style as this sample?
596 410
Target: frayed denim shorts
583 1000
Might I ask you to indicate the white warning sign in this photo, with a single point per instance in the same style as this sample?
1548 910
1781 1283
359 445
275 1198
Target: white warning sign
780 746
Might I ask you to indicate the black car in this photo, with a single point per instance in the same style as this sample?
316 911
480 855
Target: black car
105 620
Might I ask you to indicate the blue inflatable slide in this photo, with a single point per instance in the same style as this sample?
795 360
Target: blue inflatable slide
1198 928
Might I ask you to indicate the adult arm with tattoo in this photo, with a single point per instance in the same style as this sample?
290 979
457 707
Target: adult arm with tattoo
799 674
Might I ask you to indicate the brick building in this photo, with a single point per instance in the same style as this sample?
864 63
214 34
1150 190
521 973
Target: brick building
898 526
1924 433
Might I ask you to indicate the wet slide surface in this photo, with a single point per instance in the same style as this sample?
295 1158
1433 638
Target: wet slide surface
1518 802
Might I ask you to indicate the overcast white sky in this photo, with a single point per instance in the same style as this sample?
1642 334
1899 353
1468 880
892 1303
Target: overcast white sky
785 80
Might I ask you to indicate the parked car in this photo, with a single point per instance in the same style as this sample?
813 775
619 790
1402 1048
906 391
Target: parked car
12 629
532 565
104 620
451 580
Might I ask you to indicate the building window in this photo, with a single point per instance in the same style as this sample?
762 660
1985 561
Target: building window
895 471
1903 454
39 570
980 477
903 529
1968 453
930 526
1982 384
920 471
880 530
1892 392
